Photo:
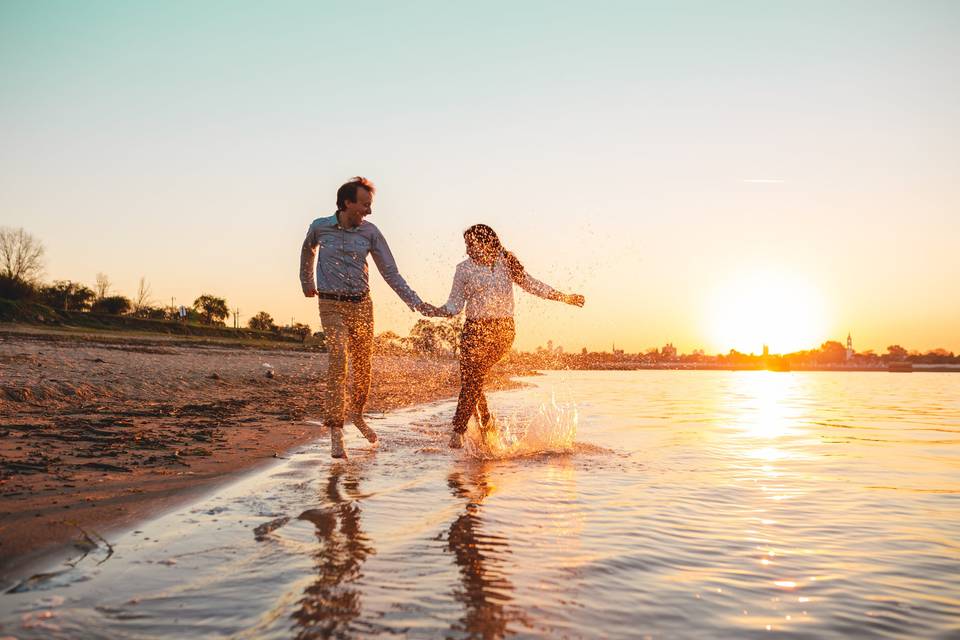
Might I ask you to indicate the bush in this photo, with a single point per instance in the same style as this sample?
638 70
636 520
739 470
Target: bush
152 313
16 289
67 295
113 305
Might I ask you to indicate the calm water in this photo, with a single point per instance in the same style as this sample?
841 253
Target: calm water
693 505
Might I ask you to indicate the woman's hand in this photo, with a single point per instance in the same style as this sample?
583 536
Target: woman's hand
574 299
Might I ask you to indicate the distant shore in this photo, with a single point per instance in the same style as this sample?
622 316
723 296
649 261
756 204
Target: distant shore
679 366
100 430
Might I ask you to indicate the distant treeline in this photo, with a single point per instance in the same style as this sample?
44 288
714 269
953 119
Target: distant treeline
830 354
21 263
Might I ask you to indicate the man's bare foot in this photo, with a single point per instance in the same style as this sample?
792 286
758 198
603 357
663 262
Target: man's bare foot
336 443
361 424
456 440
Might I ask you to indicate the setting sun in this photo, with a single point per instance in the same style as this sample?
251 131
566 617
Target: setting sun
766 308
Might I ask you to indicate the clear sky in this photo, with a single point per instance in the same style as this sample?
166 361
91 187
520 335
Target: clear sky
713 174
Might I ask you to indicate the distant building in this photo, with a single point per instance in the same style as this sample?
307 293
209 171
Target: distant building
669 352
849 347
549 346
766 351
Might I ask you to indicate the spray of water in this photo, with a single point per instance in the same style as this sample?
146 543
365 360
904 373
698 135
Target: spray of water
550 428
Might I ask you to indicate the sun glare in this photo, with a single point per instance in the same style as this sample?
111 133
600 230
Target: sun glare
764 308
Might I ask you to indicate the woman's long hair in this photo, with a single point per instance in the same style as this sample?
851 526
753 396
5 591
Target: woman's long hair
487 237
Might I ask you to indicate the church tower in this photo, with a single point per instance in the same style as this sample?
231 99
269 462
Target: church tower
849 347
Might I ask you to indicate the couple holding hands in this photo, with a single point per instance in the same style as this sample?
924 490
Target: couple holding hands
483 283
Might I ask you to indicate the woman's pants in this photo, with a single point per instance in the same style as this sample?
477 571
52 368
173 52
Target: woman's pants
483 342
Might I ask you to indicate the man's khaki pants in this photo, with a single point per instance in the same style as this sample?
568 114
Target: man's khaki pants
347 329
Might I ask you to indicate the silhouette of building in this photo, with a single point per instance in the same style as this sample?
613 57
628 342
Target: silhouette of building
849 347
668 352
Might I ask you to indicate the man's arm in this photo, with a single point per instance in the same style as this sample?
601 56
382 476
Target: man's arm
387 266
308 257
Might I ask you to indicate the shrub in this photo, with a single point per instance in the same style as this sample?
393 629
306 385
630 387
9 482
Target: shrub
67 295
113 305
16 289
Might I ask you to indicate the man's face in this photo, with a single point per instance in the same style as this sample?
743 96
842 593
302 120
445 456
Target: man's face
354 212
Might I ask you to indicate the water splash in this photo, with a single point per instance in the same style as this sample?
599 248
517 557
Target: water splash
550 428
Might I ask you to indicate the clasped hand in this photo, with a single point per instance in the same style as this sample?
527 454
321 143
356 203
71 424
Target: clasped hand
430 311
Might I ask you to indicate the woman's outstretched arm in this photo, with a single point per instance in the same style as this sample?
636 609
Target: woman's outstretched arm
537 288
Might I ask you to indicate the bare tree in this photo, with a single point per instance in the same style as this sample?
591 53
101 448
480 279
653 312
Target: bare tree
102 287
21 255
142 299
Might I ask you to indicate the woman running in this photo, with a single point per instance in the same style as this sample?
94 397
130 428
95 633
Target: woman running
484 282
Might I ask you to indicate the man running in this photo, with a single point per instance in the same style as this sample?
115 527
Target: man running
340 244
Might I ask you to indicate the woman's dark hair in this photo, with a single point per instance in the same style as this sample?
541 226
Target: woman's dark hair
487 237
348 191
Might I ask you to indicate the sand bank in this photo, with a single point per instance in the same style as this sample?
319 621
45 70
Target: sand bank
98 434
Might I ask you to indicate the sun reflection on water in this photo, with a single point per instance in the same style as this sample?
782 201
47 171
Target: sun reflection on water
761 407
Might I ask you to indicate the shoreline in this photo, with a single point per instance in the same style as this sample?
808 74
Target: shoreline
99 434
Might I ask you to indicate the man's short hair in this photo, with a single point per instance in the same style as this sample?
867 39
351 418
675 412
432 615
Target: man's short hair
348 191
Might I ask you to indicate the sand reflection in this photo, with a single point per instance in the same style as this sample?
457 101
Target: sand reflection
485 590
331 602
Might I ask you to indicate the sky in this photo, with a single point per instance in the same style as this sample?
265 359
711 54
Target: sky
715 175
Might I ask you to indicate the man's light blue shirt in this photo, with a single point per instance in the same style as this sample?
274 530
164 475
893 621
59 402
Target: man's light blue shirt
341 256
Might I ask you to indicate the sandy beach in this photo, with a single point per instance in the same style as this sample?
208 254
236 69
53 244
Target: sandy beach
98 433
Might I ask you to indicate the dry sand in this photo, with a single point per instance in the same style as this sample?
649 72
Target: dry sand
98 434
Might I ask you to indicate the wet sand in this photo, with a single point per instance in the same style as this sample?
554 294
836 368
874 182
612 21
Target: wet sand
97 434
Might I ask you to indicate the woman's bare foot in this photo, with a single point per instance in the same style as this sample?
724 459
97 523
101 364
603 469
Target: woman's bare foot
361 424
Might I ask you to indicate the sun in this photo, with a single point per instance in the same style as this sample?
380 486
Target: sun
782 311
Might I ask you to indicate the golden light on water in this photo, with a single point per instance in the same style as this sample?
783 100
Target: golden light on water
761 411
782 311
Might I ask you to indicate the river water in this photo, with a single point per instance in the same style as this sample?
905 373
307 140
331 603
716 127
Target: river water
627 504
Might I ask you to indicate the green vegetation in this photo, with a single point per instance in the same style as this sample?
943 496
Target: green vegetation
35 313
25 299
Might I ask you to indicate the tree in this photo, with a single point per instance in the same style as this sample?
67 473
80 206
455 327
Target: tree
21 255
102 287
67 295
262 322
425 337
213 310
449 330
832 352
142 299
113 305
896 352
